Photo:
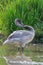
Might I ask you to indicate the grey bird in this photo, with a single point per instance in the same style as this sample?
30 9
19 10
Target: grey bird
21 37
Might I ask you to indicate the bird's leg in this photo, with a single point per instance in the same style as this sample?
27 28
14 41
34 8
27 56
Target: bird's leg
18 49
22 50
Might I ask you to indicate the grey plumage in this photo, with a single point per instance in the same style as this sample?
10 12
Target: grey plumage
21 36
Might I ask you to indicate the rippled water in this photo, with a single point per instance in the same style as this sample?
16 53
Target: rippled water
25 63
20 61
33 51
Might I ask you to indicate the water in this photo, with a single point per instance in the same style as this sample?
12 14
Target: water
21 61
33 55
25 63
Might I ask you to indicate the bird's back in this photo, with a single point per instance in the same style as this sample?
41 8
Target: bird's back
19 34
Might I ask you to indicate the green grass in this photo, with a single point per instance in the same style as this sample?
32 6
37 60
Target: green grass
2 61
30 12
2 53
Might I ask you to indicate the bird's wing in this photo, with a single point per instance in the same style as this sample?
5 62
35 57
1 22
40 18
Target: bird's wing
18 34
15 34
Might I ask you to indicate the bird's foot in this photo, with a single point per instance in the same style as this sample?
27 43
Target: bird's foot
25 57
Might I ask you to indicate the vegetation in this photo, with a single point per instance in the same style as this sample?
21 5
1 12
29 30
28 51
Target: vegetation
30 12
2 62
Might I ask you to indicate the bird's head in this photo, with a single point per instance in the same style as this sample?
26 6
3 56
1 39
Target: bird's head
18 22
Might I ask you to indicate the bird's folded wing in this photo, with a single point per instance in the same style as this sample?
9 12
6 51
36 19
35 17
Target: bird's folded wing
18 34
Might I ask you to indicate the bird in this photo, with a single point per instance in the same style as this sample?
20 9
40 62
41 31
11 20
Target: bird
21 37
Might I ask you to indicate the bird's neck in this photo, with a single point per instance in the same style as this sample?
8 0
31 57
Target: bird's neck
30 29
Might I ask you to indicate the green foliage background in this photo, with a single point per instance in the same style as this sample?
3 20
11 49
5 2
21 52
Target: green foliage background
29 11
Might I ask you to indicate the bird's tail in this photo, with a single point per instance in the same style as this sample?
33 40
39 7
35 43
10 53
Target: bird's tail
5 42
